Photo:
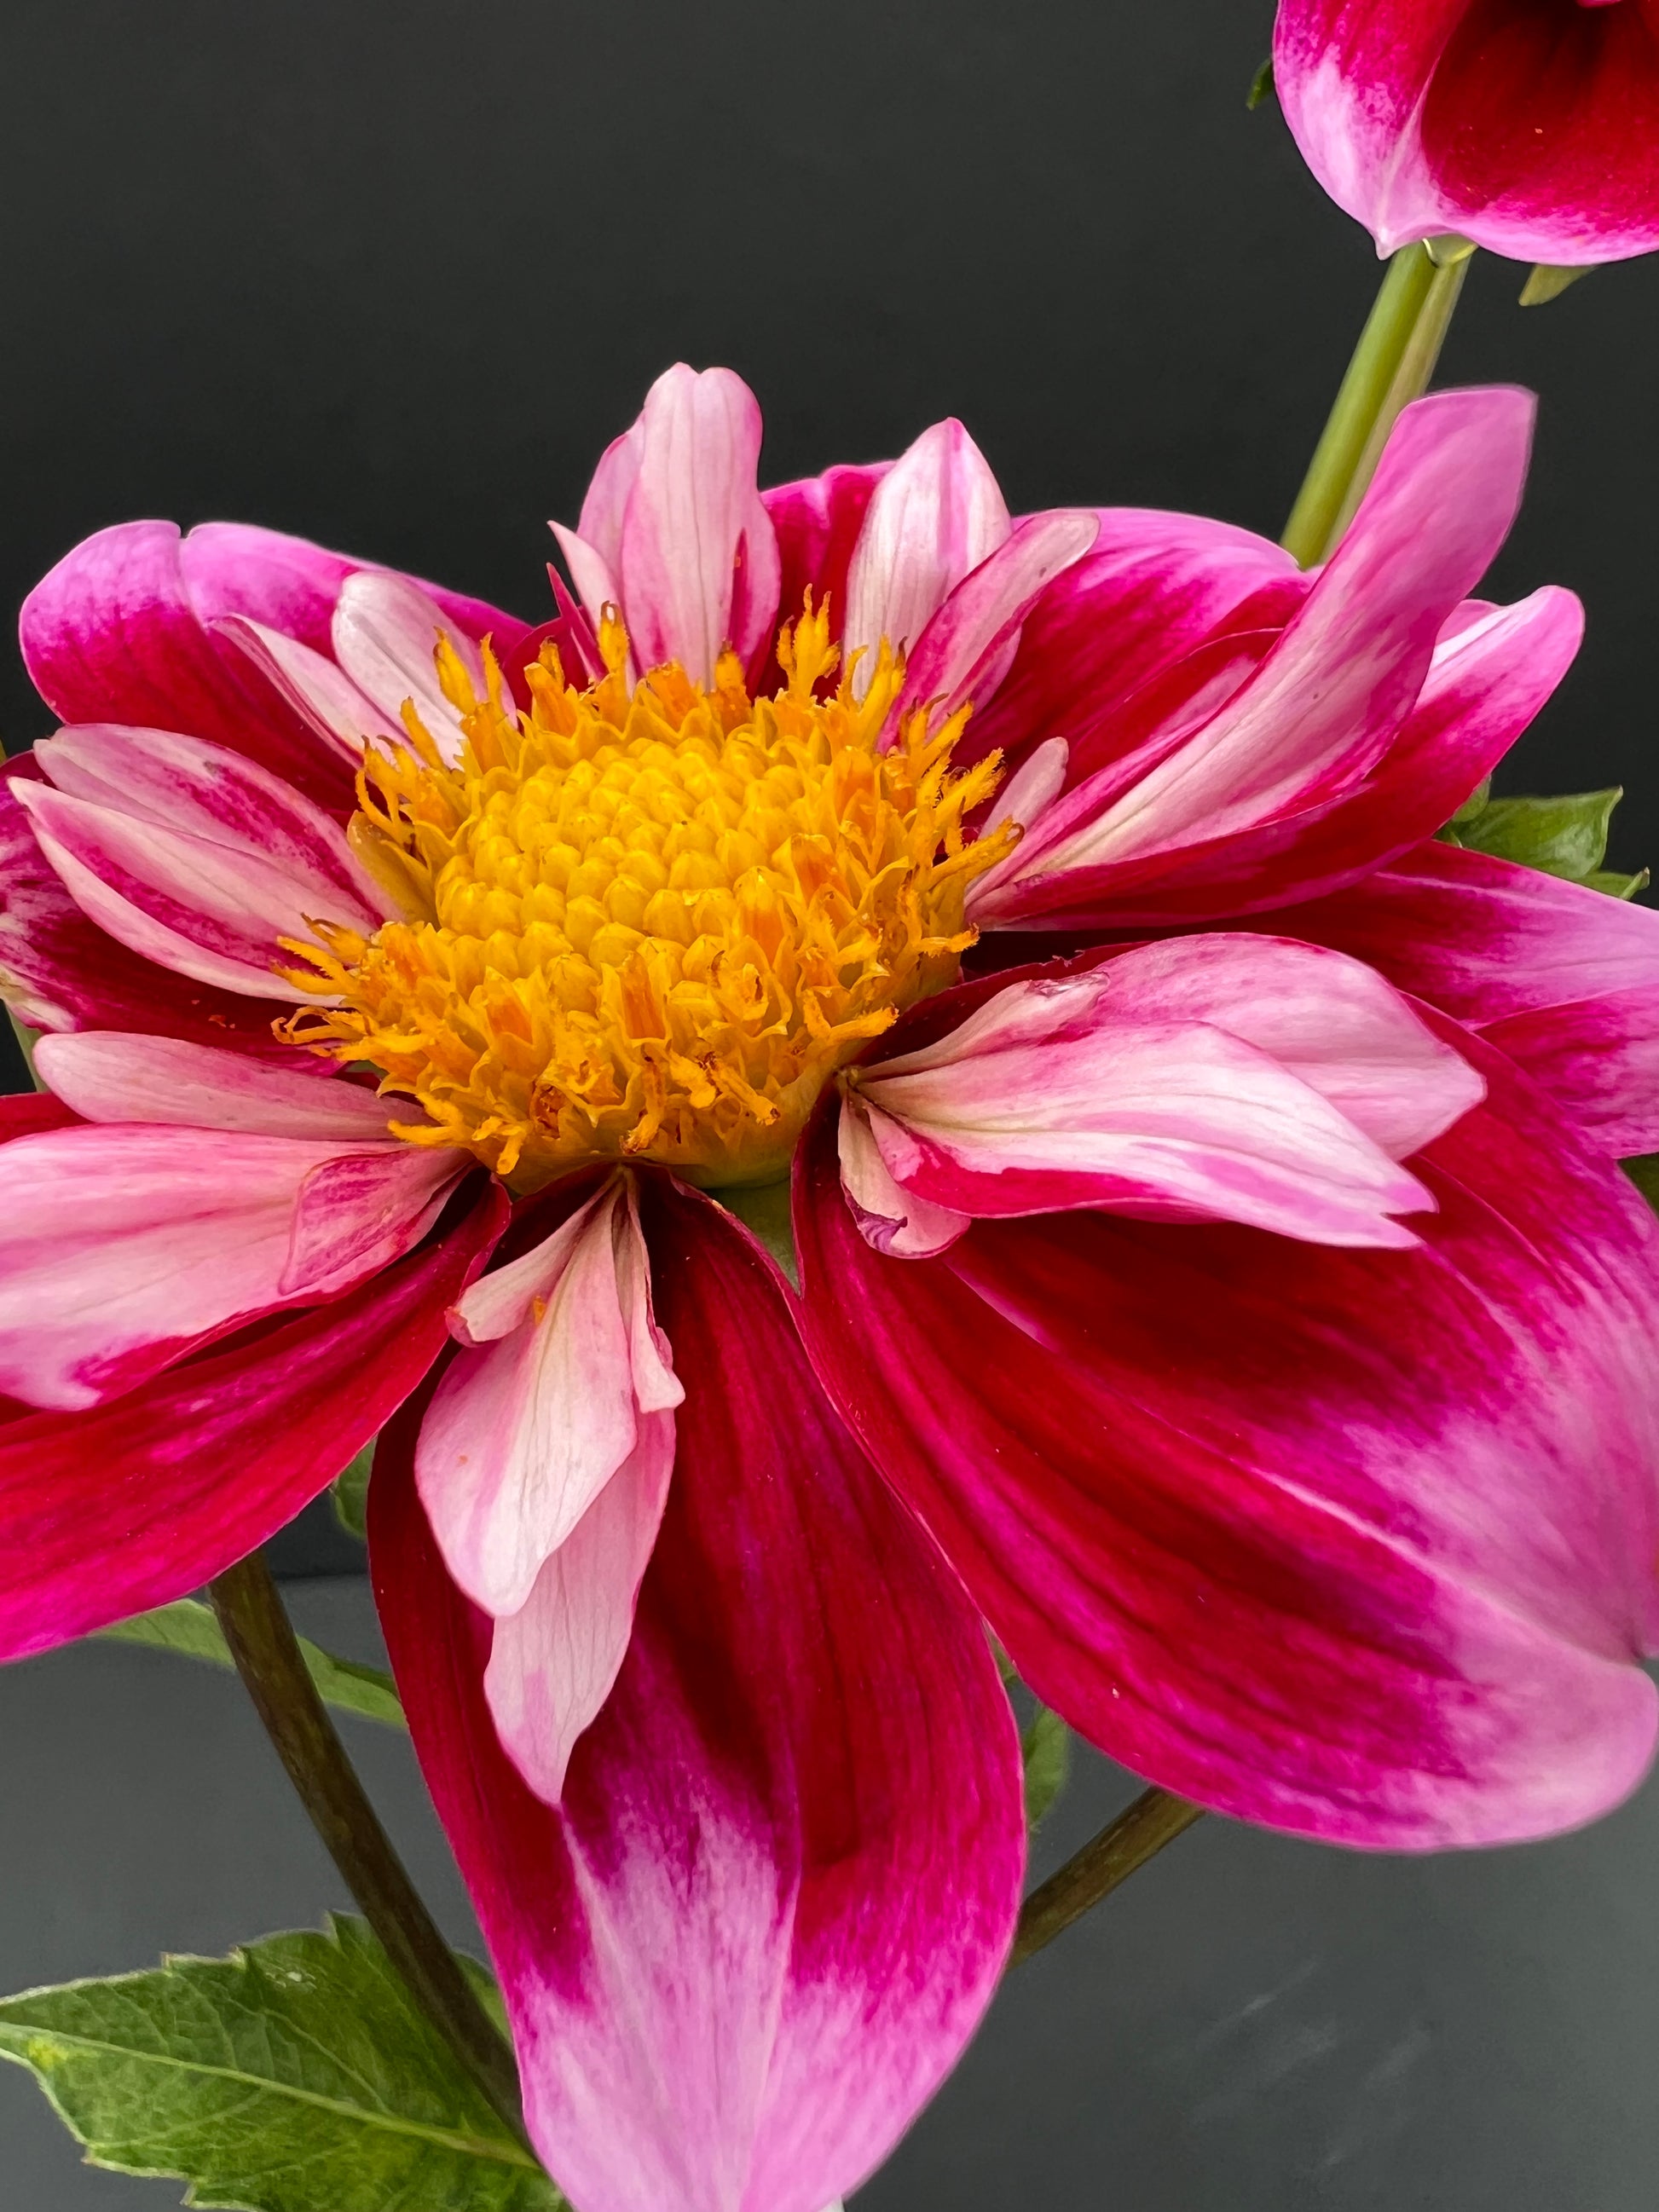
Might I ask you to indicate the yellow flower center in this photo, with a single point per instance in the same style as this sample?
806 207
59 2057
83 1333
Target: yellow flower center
647 922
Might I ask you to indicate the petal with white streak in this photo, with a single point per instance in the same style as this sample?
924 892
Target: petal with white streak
109 1076
122 1246
936 514
562 1363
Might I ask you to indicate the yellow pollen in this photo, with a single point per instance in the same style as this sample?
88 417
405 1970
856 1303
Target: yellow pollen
647 923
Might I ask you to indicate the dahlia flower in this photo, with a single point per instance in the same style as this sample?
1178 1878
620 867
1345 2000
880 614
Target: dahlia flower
1530 126
1246 1304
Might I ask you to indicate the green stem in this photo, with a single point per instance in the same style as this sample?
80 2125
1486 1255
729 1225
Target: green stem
1392 365
268 1660
1123 1846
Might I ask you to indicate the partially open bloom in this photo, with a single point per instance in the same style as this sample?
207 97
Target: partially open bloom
1265 1355
1530 126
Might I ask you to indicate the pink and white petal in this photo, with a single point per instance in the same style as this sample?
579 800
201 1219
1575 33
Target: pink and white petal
596 584
1351 79
179 783
1324 706
1565 979
784 1875
385 632
893 1219
110 1512
1153 1119
604 509
935 515
1356 1545
189 856
968 645
314 685
59 971
1488 680
360 1208
545 1405
125 1247
555 1661
1334 1023
699 560
1154 588
110 1076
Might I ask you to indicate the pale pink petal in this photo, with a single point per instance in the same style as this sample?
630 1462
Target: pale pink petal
1224 1077
385 633
936 514
123 1246
112 1076
893 1219
554 1662
1333 1022
314 685
537 1415
699 559
604 510
968 645
1033 788
594 576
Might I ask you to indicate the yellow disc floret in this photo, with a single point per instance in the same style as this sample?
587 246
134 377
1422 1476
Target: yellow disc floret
647 922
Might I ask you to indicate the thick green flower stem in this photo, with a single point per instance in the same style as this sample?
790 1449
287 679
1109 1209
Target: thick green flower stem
1391 366
1120 1848
262 1642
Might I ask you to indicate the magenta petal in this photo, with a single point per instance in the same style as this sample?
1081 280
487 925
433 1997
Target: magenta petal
785 1875
107 1513
1359 1546
111 635
1565 979
818 521
121 631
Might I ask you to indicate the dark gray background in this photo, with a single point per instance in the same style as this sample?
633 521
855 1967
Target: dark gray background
390 276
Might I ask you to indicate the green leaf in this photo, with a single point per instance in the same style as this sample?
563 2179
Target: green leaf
350 1495
296 2075
1045 1746
1262 87
1565 836
1643 1172
189 1628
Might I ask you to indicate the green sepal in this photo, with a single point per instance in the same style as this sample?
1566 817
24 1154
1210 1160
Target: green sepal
349 1492
1045 1748
1262 87
296 2075
1548 282
763 1210
1617 886
189 1628
1564 836
1643 1172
